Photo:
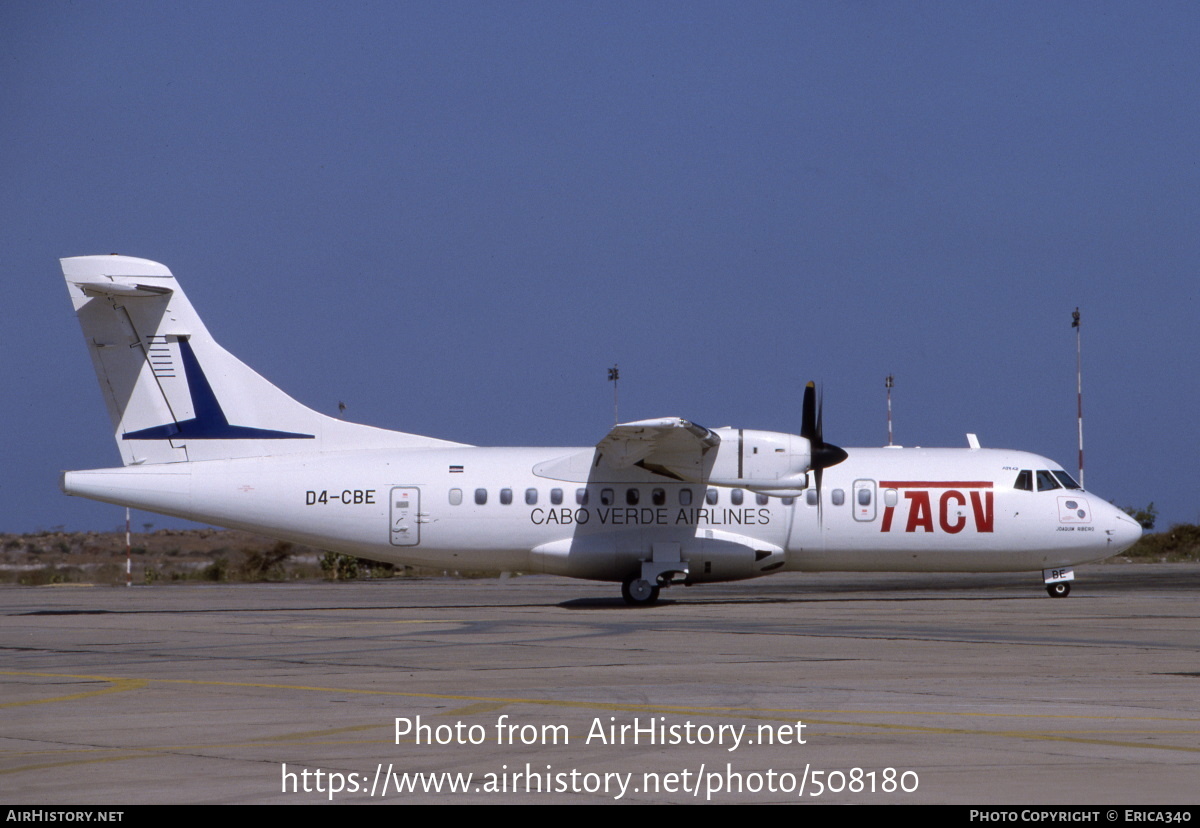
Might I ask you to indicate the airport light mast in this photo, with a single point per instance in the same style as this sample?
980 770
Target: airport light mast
1078 387
614 374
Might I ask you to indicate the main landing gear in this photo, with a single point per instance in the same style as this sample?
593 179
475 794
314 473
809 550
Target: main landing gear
664 568
638 592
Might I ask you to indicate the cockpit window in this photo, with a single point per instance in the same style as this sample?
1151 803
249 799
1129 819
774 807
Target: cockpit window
1024 481
1066 480
1046 481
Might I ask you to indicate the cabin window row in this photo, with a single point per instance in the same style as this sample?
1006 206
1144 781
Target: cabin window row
864 496
609 496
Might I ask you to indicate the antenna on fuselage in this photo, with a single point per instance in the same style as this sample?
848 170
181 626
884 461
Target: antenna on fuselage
1078 386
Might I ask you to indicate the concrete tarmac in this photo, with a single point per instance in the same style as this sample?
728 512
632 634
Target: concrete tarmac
826 688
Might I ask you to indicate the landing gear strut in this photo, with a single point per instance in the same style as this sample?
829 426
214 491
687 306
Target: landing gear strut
1061 589
639 592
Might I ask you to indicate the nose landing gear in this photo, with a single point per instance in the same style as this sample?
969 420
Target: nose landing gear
1060 589
1058 581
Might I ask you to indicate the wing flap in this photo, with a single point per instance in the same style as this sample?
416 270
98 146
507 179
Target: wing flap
668 443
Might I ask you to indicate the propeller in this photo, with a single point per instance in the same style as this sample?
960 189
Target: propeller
822 454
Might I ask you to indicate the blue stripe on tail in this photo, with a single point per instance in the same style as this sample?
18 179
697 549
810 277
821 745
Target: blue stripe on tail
210 422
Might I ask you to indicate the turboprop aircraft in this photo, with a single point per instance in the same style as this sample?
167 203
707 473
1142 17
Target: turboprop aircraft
652 504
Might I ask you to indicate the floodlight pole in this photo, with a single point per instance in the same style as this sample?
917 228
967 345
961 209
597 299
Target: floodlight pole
614 374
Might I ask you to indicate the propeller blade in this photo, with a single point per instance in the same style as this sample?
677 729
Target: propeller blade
822 455
820 506
820 417
808 420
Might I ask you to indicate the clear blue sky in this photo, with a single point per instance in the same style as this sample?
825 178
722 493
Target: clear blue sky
454 216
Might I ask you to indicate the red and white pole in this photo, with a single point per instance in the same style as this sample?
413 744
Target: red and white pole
888 383
128 552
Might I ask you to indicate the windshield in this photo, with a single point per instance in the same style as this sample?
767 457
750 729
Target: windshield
1066 480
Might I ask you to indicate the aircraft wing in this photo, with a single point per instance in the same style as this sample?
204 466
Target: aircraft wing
667 446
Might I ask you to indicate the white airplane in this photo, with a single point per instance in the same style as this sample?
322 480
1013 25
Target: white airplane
654 503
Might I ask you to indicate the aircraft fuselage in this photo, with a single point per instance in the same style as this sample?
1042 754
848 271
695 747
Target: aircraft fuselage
887 509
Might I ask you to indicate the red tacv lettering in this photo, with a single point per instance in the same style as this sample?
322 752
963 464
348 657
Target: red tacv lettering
944 512
984 515
919 513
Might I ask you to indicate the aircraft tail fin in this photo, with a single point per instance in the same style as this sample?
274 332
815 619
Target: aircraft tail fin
173 393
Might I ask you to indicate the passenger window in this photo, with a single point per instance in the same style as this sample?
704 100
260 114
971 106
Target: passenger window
788 501
658 497
810 497
710 497
685 497
556 497
606 497
761 499
506 497
531 497
632 496
839 497
1046 481
1024 481
581 497
736 496
455 497
480 497
890 498
864 497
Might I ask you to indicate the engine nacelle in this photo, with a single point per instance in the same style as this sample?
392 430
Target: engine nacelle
769 462
763 461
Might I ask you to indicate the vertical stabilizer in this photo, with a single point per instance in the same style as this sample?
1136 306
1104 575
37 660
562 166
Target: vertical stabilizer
173 393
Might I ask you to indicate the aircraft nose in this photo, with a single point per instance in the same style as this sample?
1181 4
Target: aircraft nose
1123 531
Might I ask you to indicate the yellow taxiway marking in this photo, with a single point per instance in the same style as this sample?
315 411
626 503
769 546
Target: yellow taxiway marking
116 685
475 709
309 734
483 704
765 713
381 622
